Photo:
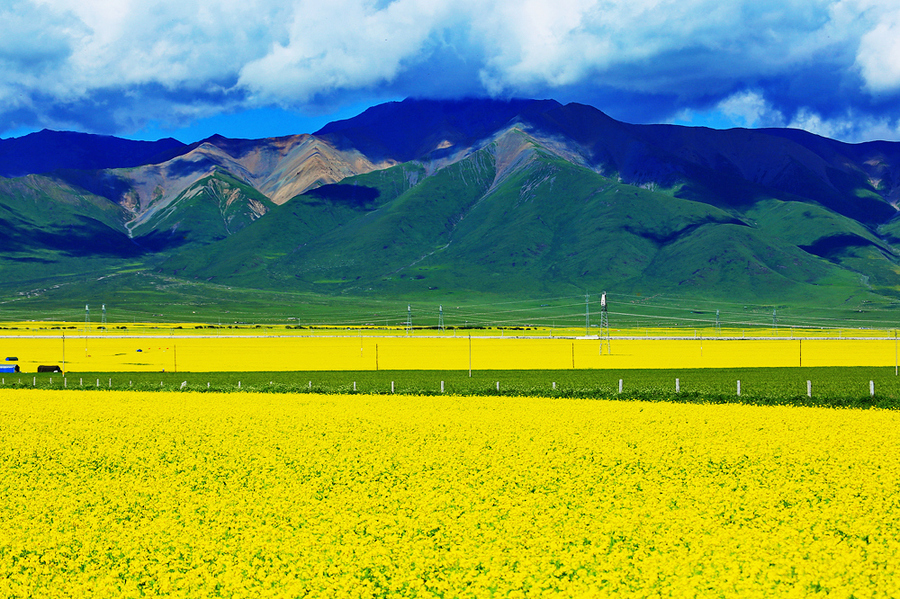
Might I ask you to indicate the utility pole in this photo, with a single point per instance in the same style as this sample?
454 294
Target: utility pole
408 318
441 318
103 317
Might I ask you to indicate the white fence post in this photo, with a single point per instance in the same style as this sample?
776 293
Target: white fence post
809 388
620 386
872 388
739 388
677 386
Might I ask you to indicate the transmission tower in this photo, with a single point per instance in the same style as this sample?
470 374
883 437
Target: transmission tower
441 318
604 324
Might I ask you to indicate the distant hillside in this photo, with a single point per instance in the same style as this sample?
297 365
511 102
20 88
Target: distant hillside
47 151
520 198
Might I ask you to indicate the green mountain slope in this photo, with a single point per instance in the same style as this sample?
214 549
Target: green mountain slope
377 245
864 253
211 209
575 230
52 228
247 256
328 236
513 216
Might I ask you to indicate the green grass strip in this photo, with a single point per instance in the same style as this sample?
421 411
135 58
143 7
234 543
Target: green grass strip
832 387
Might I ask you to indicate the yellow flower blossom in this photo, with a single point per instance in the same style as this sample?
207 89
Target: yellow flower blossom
117 494
488 350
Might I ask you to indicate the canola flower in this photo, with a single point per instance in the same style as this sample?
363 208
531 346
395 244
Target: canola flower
118 494
132 353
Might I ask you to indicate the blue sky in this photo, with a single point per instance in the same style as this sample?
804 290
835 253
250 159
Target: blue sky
260 68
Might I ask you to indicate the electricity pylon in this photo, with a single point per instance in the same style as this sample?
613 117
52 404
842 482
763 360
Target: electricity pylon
604 324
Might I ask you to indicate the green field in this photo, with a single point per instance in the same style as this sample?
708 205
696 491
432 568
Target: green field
144 296
836 387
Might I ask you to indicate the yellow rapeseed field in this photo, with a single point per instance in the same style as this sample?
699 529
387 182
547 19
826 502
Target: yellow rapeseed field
117 494
349 351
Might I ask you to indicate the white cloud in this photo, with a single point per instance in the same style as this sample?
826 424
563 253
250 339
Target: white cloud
849 127
878 57
34 37
747 108
343 44
170 43
537 42
645 45
751 109
179 59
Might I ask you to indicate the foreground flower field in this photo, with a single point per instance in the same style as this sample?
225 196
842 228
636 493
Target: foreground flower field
118 494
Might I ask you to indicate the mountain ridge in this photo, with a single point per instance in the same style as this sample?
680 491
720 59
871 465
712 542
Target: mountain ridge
428 197
46 151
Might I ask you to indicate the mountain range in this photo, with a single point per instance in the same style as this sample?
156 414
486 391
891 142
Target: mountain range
431 199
